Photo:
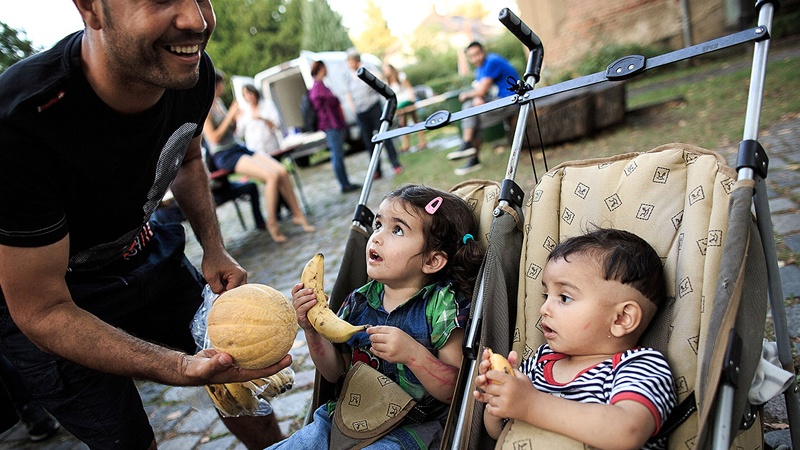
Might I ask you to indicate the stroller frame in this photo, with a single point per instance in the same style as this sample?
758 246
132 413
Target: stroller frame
752 164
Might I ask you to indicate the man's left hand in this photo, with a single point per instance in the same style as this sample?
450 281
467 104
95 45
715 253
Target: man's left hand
222 272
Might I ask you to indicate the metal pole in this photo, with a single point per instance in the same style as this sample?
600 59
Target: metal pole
471 339
764 218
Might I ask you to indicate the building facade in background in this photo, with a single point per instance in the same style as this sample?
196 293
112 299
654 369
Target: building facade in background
569 29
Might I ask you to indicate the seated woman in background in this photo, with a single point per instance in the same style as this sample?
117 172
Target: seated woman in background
230 155
258 123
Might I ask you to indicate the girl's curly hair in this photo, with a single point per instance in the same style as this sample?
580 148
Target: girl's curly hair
445 231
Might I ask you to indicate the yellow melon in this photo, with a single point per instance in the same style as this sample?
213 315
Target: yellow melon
254 323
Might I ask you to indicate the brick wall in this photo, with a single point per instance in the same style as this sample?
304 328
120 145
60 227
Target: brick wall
571 28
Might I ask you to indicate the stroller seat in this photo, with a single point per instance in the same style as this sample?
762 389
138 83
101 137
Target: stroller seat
677 198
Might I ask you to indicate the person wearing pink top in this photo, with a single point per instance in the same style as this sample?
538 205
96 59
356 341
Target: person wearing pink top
330 119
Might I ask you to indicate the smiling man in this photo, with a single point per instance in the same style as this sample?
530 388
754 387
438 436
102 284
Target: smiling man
92 294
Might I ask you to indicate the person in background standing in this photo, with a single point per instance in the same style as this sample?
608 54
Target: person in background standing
330 119
367 105
398 83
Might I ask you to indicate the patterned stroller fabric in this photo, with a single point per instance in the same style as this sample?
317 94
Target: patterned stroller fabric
677 198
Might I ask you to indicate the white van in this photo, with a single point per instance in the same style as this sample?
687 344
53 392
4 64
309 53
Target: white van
286 83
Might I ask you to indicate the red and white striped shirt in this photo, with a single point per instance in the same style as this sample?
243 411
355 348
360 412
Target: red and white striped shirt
639 374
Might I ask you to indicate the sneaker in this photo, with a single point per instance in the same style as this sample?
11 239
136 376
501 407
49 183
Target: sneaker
351 188
398 170
44 430
471 166
39 423
464 151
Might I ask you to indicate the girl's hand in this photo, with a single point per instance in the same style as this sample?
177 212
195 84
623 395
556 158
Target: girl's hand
391 344
302 300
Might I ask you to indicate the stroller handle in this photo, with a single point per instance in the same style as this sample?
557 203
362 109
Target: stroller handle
381 88
516 26
528 38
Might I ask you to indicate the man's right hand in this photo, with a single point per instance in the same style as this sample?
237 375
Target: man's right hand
212 367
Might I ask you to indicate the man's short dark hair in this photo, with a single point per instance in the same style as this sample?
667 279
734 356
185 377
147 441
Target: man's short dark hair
474 44
353 54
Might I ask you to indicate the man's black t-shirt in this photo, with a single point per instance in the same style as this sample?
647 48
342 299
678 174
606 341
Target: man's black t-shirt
71 164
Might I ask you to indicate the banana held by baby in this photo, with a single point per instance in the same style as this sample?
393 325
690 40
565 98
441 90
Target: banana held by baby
325 321
499 362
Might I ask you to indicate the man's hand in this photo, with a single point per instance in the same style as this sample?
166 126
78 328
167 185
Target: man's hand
222 272
212 367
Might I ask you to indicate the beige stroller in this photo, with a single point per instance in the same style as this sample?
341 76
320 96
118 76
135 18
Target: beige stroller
693 209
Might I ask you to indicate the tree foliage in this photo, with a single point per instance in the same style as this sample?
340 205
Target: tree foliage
253 35
471 10
14 46
322 28
437 68
377 37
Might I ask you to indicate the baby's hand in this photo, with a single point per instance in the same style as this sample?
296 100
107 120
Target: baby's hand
504 393
302 300
481 381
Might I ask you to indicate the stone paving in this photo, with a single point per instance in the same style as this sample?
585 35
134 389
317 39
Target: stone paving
183 418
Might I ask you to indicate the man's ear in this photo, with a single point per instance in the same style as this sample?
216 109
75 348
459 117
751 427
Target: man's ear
434 262
628 318
91 12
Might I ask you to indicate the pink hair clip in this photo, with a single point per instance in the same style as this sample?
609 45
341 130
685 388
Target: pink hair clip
433 205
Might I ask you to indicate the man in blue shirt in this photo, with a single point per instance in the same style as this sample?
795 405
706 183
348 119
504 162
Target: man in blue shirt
491 73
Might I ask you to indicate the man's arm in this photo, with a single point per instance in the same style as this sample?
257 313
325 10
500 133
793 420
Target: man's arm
36 293
479 91
191 190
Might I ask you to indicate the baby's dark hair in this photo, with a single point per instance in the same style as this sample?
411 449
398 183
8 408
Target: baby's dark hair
445 231
624 257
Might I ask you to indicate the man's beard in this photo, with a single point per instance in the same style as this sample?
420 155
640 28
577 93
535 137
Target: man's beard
146 64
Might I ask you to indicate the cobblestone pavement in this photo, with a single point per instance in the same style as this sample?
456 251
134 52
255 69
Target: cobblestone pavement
180 420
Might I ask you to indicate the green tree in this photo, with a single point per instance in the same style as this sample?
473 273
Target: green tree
14 46
437 69
322 28
377 37
253 35
472 10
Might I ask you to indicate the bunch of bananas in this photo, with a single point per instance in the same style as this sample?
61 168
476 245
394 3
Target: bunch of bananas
322 318
275 385
242 399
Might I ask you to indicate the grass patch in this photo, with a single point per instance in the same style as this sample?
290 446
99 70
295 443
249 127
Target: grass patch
709 112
